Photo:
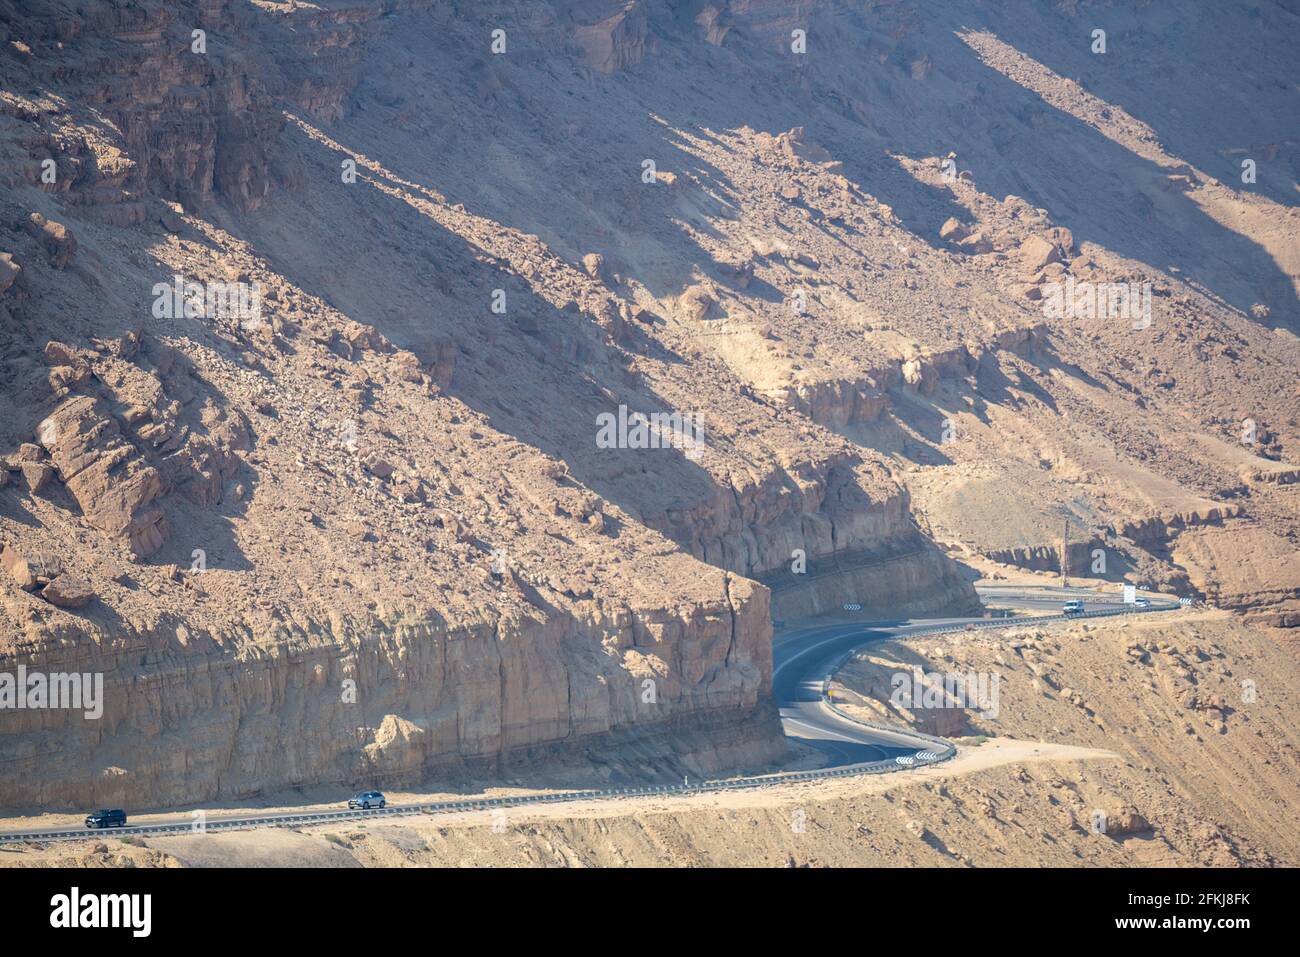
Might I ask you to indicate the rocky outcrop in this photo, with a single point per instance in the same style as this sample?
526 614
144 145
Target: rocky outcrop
68 591
1046 558
697 304
196 717
57 239
899 577
1279 474
616 40
200 117
116 489
1156 530
765 23
835 402
29 568
883 691
838 402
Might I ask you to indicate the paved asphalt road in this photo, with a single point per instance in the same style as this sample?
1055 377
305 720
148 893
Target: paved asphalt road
803 657
802 660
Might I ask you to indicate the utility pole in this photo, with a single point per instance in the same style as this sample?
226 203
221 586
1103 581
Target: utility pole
1065 555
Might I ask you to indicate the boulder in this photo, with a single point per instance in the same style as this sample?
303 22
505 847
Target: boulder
1036 252
739 273
409 490
1127 821
953 230
1063 239
631 311
378 467
68 591
796 145
443 518
9 271
697 304
30 567
169 220
355 338
38 475
105 473
975 244
60 354
408 366
57 239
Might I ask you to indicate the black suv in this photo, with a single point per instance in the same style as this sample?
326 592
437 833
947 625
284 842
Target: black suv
113 818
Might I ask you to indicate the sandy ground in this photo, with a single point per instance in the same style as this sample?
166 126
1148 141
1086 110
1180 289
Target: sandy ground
1200 706
390 841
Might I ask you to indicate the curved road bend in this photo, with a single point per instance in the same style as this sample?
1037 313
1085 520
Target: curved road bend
802 659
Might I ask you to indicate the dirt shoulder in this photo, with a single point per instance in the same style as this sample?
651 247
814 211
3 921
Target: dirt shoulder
794 823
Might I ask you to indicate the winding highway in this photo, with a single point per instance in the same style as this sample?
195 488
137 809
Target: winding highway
804 659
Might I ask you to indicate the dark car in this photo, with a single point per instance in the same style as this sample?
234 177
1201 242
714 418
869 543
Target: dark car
366 800
106 818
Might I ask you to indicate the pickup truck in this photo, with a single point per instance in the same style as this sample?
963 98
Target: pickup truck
1073 607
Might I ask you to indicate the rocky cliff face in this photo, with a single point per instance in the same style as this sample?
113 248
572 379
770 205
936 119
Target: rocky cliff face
388 471
152 436
903 578
615 40
189 89
195 717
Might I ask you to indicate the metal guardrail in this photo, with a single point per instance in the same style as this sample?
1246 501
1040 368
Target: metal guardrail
1043 619
946 751
446 807
949 749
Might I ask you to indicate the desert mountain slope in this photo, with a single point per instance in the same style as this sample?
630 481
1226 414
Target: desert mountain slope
372 527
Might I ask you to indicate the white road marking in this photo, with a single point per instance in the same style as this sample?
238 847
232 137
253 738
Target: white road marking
813 727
